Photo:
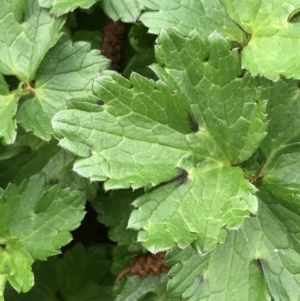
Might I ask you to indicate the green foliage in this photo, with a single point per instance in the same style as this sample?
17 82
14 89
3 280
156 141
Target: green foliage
125 10
151 288
35 224
81 274
60 7
272 31
141 156
201 151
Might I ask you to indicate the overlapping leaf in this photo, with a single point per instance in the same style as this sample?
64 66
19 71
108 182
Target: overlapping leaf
281 147
27 32
273 36
126 10
81 274
184 15
60 7
186 129
149 288
35 223
260 261
114 209
30 155
67 71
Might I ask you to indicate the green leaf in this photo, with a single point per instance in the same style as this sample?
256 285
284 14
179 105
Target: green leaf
67 71
205 16
121 167
60 7
33 156
281 147
230 106
257 262
274 37
35 222
139 37
27 32
126 10
50 222
82 274
94 37
114 209
8 108
139 63
15 267
183 132
173 214
149 288
123 255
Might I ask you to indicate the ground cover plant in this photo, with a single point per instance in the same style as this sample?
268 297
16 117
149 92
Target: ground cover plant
150 150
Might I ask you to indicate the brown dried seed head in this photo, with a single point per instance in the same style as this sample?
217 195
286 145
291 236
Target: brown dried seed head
148 264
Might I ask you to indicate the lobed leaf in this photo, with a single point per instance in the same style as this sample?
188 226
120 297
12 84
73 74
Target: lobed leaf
222 100
197 211
184 132
114 145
